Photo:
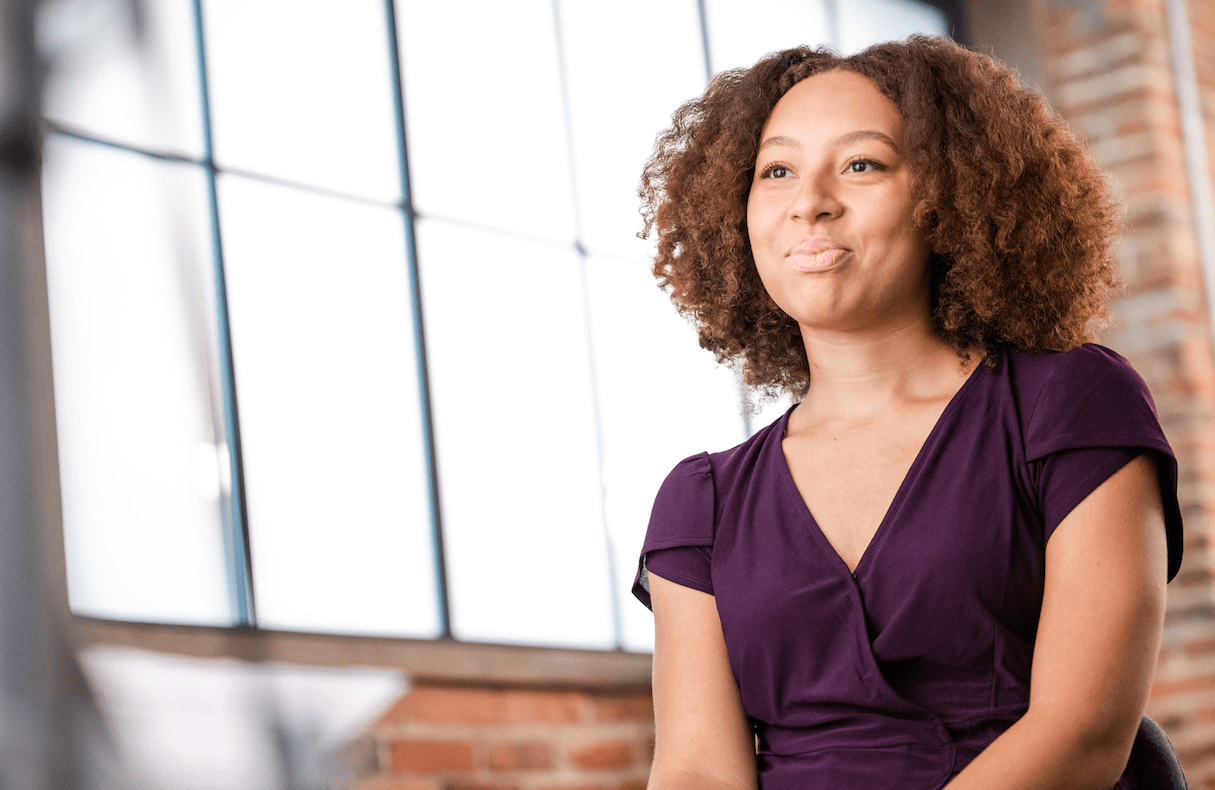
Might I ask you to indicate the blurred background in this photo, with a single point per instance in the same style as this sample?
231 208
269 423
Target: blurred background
362 388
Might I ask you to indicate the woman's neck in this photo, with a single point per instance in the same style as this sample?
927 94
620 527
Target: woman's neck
859 377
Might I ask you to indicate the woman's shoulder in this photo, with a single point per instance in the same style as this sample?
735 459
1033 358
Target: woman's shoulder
740 459
1089 392
1088 356
1091 397
1084 363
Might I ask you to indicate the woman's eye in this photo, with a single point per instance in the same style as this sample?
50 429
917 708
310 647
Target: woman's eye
776 171
863 166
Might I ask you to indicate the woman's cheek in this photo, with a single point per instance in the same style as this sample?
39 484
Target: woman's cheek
775 287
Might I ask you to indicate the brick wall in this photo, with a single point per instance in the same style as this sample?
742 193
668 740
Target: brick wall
446 737
1108 70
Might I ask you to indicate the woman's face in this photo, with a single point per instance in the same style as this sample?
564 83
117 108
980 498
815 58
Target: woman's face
830 210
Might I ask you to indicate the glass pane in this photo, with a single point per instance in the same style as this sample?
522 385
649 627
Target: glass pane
514 423
617 112
330 426
742 33
136 389
865 22
483 107
661 399
107 83
302 90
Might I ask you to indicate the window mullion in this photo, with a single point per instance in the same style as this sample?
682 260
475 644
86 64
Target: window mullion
419 329
233 509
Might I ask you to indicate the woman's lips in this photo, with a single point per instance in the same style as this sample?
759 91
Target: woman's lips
806 261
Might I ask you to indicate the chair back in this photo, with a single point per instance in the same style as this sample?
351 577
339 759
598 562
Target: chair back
1155 762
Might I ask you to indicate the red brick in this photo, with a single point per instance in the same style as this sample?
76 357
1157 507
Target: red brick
1200 647
1166 688
458 705
446 705
554 707
409 754
625 707
1195 754
603 754
520 756
401 710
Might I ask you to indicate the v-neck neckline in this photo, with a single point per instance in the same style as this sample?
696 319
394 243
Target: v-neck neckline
899 494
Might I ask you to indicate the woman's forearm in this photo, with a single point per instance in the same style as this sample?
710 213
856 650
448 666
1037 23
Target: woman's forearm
689 779
1045 752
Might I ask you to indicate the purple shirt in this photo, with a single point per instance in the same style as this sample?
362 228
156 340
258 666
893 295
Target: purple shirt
899 674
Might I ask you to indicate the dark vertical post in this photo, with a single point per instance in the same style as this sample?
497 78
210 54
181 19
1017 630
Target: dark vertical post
50 733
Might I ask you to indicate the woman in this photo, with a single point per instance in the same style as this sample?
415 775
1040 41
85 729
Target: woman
946 564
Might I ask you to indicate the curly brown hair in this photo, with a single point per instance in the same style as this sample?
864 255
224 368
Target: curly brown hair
1019 219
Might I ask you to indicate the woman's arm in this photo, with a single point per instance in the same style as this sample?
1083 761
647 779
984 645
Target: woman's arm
1095 652
703 739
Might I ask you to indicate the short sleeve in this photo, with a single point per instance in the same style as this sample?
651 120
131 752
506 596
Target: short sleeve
1093 415
1066 477
682 518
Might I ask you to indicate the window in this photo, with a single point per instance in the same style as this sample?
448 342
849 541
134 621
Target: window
352 332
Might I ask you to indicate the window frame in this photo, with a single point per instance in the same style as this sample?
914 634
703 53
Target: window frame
445 656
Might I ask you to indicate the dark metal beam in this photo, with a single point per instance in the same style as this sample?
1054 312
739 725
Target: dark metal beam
51 735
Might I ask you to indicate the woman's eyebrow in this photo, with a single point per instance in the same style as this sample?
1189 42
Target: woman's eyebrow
781 140
854 137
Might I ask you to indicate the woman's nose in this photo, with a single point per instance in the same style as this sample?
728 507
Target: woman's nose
815 199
